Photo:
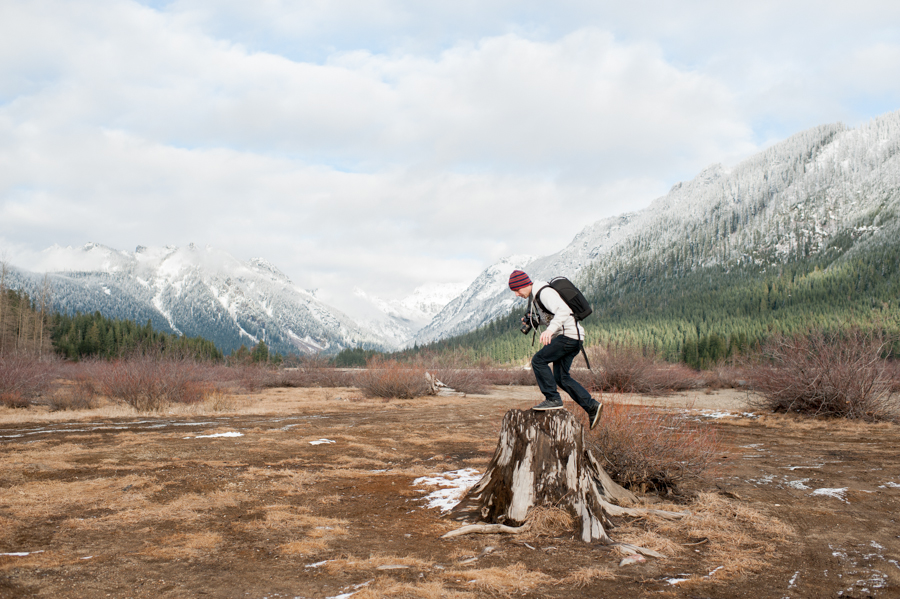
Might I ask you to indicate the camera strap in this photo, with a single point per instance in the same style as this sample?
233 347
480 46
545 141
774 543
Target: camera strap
531 321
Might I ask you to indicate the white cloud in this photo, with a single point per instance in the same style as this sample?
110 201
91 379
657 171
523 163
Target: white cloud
384 144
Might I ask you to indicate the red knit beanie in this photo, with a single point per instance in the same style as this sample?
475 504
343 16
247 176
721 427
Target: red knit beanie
518 279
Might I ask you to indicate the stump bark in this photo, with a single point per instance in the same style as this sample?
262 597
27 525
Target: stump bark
541 460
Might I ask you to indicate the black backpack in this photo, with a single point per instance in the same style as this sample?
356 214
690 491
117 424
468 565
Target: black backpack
573 297
570 294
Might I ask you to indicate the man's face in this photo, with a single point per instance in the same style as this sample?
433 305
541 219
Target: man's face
524 292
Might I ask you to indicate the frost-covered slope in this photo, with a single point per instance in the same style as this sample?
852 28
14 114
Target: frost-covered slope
398 321
196 291
828 187
480 303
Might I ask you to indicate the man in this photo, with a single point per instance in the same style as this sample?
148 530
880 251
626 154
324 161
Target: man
562 340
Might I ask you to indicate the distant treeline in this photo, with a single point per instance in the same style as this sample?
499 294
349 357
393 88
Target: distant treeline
94 335
709 314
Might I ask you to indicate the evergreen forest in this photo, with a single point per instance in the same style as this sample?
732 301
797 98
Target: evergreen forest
94 335
707 315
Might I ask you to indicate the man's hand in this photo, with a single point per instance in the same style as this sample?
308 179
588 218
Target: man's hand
546 338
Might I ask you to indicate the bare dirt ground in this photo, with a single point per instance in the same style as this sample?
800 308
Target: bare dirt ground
311 493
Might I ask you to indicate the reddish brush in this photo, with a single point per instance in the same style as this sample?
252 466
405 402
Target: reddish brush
838 375
464 380
24 379
309 372
391 379
622 368
648 449
149 384
509 376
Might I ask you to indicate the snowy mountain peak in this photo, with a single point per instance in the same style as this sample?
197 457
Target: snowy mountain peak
199 292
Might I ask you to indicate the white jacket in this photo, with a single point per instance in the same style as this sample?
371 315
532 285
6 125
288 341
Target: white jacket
563 321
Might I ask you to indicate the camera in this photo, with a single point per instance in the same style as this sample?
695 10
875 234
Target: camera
529 322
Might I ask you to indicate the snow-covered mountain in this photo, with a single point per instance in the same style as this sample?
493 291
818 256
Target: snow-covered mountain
485 299
197 292
398 321
828 188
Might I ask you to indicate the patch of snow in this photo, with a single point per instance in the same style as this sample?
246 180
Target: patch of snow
22 553
835 493
892 485
322 442
797 484
453 483
217 435
718 414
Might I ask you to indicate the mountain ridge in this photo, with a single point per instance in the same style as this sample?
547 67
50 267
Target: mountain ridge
793 199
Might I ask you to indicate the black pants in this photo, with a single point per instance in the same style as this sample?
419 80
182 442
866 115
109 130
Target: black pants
560 353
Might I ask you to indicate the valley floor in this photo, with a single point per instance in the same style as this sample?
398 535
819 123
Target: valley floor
314 493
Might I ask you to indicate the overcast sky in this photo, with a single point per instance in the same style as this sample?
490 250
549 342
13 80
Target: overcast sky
386 143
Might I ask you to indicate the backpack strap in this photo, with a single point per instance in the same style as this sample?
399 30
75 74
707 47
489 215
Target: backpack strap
537 300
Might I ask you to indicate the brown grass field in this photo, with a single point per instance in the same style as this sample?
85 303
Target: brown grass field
109 503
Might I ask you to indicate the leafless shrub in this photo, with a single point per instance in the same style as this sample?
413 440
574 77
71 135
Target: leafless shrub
837 375
22 379
454 369
892 371
311 371
149 384
724 377
648 449
81 394
509 376
464 380
392 379
13 400
622 368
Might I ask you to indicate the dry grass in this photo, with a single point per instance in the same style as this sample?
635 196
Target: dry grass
304 547
737 539
181 545
548 522
387 587
501 580
373 562
582 577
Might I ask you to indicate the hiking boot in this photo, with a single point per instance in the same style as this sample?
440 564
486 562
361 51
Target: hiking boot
594 415
548 404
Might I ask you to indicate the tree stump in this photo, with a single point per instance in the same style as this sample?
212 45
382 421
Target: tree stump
541 460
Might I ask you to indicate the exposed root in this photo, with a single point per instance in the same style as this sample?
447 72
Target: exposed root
629 548
617 510
487 529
